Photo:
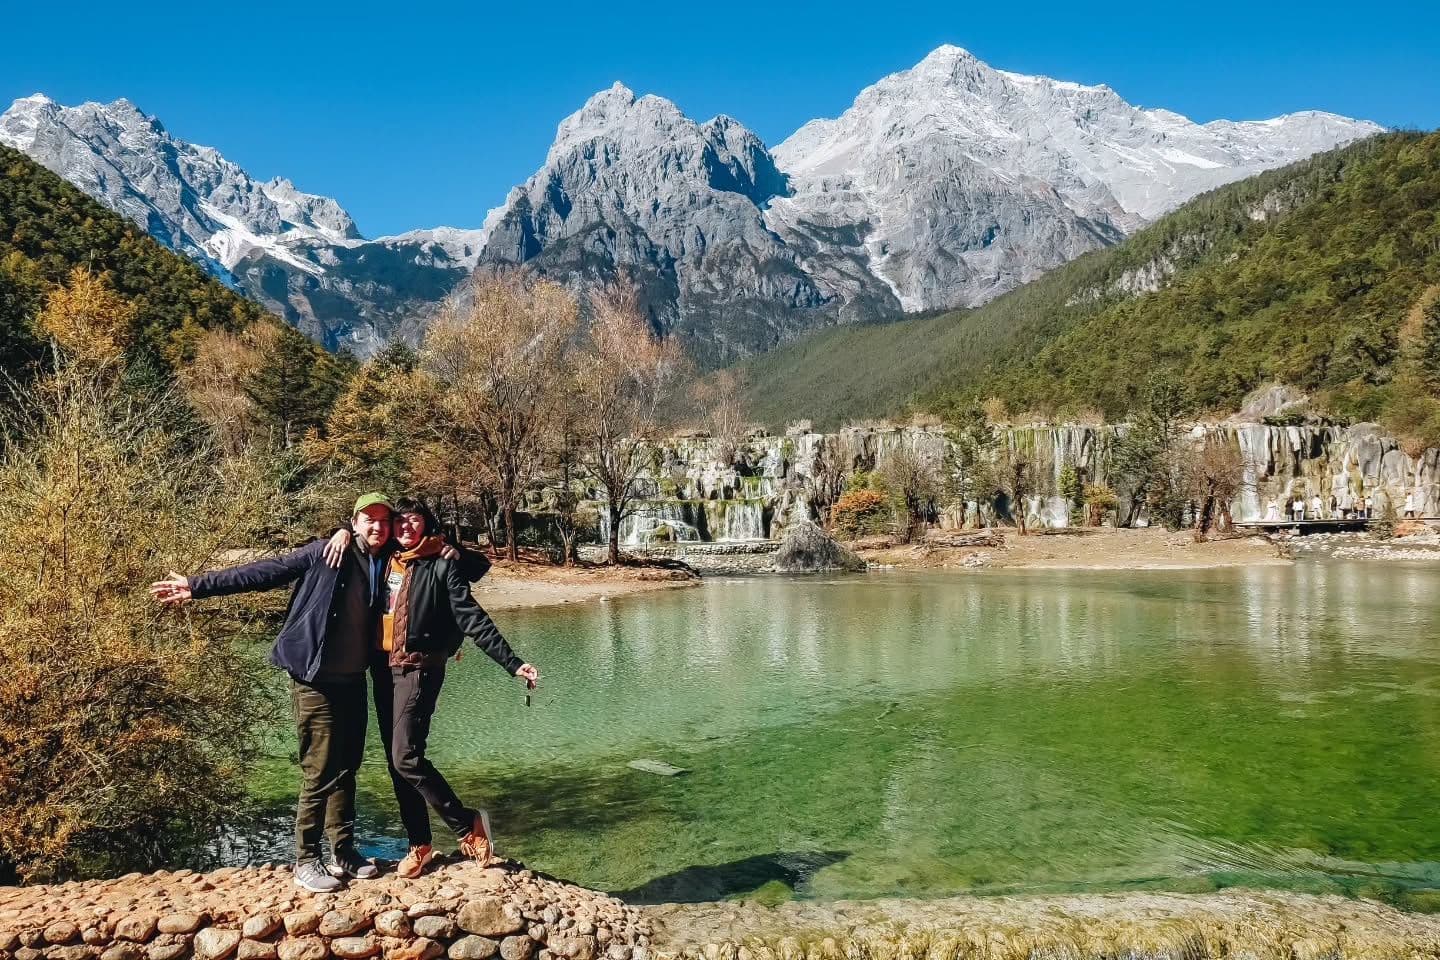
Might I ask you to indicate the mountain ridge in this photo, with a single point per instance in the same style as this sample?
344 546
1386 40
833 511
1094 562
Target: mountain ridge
946 184
1302 275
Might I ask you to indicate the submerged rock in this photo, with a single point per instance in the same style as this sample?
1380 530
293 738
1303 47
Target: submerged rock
809 549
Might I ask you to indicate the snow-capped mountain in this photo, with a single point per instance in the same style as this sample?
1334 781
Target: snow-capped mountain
298 253
943 185
633 188
973 180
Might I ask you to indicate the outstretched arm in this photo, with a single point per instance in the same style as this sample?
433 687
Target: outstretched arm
261 575
476 625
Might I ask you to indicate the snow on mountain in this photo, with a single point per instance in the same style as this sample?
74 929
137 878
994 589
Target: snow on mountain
943 185
299 253
973 180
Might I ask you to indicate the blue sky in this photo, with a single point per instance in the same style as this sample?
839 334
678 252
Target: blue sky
422 114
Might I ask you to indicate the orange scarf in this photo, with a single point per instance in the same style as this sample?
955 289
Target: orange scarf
395 622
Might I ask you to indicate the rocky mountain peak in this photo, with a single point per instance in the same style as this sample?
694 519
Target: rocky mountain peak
299 253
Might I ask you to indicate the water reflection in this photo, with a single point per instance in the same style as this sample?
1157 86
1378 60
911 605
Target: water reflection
977 731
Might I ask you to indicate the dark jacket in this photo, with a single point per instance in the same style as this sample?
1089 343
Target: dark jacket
301 640
443 613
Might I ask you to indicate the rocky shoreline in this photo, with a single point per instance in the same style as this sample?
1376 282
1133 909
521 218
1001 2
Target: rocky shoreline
462 912
458 911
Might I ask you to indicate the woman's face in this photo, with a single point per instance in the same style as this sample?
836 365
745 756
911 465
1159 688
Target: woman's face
409 529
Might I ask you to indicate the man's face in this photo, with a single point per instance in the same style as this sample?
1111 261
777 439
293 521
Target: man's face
372 526
409 529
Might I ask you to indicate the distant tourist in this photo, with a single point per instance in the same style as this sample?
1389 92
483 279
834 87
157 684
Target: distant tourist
1410 508
428 612
1362 508
1272 509
1347 504
1317 508
1297 508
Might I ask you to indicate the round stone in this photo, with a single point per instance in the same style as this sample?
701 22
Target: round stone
437 928
167 947
421 948
393 923
354 948
259 926
73 952
574 947
255 950
138 927
302 948
180 923
61 932
473 948
517 948
214 943
337 924
490 917
124 950
302 923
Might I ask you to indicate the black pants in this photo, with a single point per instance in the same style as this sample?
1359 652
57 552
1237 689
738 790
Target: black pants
405 699
330 719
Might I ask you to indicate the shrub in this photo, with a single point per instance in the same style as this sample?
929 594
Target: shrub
1071 485
127 729
860 513
1100 500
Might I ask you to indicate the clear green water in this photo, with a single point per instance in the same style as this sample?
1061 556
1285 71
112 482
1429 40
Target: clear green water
903 734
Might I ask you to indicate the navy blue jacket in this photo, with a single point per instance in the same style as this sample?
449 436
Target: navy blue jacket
298 647
311 612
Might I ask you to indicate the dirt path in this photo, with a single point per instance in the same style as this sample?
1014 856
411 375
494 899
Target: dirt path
510 586
1089 548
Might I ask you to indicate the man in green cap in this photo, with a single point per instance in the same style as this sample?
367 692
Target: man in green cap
325 646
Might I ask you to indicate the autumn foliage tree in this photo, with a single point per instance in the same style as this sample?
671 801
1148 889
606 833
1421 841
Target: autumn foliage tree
126 730
621 379
497 363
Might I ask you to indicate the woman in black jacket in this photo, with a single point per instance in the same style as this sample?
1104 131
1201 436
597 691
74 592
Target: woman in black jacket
429 612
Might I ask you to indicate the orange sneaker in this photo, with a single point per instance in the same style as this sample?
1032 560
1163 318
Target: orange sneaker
415 861
477 844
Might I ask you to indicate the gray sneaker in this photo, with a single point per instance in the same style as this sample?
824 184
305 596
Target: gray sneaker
310 875
347 862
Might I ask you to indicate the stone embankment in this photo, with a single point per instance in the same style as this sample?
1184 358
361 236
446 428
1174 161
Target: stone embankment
1135 926
459 911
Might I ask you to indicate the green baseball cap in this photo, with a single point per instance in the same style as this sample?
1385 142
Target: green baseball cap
373 500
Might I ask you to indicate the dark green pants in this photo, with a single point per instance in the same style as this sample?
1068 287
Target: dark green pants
330 718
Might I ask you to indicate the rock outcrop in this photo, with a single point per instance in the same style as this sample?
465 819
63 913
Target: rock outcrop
807 548
457 910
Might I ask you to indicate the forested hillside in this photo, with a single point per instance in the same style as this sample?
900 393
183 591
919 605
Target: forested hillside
1305 275
49 228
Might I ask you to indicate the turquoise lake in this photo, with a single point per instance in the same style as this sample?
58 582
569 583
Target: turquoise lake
927 734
